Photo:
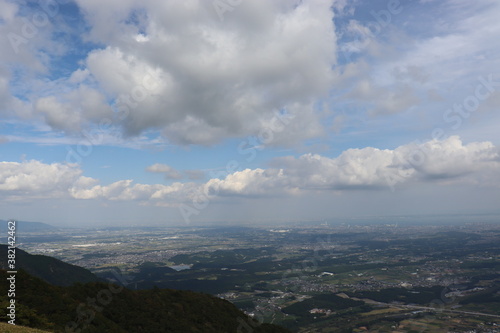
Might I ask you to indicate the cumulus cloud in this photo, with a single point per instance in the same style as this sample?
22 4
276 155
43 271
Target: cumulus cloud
27 48
440 162
451 159
22 39
58 115
178 69
211 79
126 190
370 168
34 179
390 66
78 107
257 182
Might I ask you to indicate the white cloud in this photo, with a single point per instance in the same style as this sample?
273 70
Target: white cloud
22 38
177 69
257 182
440 162
434 162
72 111
476 162
159 168
393 70
125 190
383 100
213 79
58 115
34 179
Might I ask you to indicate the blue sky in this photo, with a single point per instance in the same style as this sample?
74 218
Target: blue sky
179 113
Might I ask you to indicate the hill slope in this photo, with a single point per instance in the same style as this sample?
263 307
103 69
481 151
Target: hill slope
102 307
51 270
7 328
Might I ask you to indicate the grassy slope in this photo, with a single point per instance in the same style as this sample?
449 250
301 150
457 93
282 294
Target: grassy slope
7 328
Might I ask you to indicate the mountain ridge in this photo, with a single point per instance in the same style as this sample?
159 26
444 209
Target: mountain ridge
49 269
96 307
27 226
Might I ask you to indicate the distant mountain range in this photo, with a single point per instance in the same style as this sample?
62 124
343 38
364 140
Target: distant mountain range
24 226
58 297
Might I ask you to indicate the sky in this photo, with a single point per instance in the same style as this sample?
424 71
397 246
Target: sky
145 112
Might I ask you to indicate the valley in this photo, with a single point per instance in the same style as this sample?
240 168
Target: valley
308 278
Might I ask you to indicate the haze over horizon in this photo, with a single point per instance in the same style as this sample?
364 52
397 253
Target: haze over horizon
148 112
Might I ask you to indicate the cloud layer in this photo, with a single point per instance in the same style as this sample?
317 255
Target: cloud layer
186 70
198 74
448 161
118 83
443 162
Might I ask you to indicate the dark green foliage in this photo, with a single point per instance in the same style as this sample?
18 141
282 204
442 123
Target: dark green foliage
153 271
221 258
491 276
323 301
245 304
266 295
418 295
489 295
101 307
481 264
